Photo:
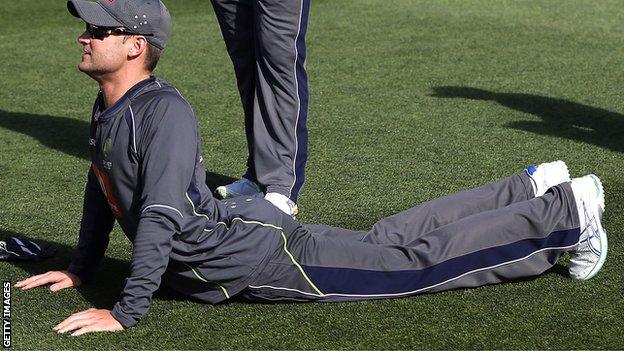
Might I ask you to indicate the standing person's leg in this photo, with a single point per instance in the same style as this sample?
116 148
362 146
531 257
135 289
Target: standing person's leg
281 105
521 240
275 100
236 19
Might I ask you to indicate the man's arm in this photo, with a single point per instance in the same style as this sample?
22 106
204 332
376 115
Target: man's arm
167 152
97 222
95 227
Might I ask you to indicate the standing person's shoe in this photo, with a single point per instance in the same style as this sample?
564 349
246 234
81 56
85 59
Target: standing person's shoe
588 257
241 187
547 175
283 203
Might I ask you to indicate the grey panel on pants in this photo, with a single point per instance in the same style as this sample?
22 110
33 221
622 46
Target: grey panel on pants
476 237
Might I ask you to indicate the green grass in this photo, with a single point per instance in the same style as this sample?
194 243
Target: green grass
410 100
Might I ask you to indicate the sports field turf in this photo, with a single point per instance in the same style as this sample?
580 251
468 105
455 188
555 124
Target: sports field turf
410 100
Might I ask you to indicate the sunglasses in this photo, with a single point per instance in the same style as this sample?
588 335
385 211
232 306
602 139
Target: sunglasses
102 32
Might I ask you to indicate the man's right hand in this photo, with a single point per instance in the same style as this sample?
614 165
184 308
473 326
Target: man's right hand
58 280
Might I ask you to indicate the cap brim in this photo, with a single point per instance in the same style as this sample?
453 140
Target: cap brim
92 13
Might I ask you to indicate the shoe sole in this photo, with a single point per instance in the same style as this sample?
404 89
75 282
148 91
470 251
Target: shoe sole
601 231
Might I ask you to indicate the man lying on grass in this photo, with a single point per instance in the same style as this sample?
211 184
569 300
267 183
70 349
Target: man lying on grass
147 172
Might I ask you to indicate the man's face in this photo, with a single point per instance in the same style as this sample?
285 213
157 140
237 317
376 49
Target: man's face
102 56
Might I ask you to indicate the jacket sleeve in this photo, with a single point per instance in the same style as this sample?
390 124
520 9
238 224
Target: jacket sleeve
167 149
95 227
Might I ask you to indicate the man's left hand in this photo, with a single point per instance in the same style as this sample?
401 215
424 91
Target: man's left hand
88 321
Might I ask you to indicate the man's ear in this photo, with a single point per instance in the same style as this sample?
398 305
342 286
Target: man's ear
139 44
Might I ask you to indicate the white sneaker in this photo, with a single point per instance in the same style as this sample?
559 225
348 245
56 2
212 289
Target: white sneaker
240 187
588 257
547 175
283 203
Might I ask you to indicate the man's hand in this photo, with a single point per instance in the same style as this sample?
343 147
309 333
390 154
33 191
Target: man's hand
88 321
57 279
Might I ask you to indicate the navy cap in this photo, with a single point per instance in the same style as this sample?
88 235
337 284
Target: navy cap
147 17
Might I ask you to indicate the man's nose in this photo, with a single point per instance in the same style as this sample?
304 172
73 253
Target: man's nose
84 38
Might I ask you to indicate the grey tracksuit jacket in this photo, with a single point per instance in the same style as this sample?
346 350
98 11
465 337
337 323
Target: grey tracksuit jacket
147 172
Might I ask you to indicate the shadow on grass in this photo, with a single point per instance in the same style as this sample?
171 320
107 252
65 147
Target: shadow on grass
558 269
214 180
64 134
560 118
101 292
70 136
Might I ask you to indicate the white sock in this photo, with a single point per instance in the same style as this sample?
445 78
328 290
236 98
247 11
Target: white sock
283 203
547 175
